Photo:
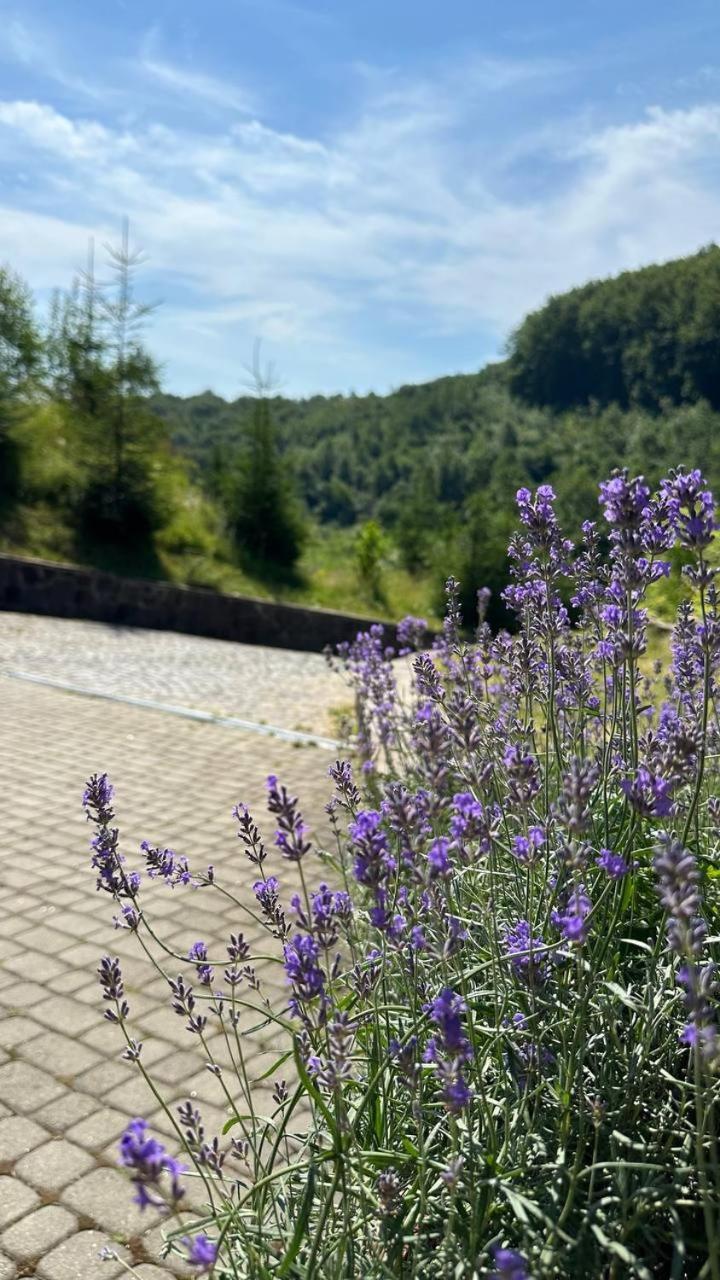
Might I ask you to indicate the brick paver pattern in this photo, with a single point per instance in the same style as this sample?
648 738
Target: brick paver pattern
65 1092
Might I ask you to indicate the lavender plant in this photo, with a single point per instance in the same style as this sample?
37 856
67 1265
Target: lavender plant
501 1044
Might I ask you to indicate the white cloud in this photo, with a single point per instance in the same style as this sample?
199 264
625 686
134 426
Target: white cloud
47 129
329 248
197 85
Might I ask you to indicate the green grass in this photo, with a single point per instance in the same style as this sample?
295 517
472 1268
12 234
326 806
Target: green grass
325 577
193 550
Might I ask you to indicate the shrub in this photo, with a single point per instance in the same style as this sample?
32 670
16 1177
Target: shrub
501 1043
370 549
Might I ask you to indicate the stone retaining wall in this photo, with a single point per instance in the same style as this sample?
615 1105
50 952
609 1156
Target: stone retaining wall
69 591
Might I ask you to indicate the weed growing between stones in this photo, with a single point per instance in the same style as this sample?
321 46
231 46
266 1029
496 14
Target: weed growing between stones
501 1044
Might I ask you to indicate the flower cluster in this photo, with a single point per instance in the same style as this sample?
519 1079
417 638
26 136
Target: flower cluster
475 1032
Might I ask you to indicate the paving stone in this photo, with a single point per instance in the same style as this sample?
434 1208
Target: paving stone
133 1097
19 1135
37 1233
105 1195
65 1056
22 995
42 938
178 1066
68 982
16 1200
62 1011
97 1130
24 1087
14 1030
52 1166
34 965
21 901
66 1111
78 1259
8 1270
100 1079
82 955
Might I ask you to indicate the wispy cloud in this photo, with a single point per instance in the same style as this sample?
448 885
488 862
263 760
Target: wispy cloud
354 252
182 81
34 49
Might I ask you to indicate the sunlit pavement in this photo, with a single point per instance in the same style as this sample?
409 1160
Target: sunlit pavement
65 1092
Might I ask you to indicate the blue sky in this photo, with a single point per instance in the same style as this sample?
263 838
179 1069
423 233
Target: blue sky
379 191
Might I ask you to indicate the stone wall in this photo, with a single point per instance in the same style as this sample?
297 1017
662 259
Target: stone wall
69 591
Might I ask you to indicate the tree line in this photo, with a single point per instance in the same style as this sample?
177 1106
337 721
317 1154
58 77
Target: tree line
621 372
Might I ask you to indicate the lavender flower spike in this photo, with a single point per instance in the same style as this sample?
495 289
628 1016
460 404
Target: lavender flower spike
149 1160
202 1251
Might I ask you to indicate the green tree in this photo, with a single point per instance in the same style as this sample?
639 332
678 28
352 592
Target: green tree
20 359
263 510
102 372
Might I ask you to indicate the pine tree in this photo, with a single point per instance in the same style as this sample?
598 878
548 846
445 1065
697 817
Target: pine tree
264 516
100 370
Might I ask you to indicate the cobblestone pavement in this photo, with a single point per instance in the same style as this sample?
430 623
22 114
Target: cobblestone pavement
65 1093
278 686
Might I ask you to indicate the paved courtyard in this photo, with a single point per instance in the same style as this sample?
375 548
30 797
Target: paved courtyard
65 1092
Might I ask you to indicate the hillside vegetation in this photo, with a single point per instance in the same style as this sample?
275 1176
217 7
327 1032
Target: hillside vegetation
379 495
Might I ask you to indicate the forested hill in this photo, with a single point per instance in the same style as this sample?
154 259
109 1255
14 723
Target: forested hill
605 374
638 339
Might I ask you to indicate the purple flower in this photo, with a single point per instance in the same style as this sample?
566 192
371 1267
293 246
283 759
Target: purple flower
525 848
113 989
302 966
290 836
266 892
165 864
148 1160
523 777
572 921
446 1012
456 1093
98 795
525 1058
106 857
648 793
449 1049
471 820
439 865
411 633
678 887
691 508
521 949
328 910
623 500
202 1252
510 1265
613 864
198 954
